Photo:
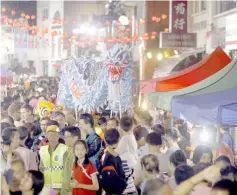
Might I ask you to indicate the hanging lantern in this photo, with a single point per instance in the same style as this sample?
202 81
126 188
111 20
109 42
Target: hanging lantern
10 21
153 18
54 20
145 34
158 19
142 21
153 37
33 32
23 15
33 17
166 29
107 23
163 16
27 17
13 12
54 33
4 9
65 34
154 33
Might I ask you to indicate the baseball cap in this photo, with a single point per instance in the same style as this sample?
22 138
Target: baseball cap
53 128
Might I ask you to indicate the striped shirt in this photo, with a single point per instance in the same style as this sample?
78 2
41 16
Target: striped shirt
128 173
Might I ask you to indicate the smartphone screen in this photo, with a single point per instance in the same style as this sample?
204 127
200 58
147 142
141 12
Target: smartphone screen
9 176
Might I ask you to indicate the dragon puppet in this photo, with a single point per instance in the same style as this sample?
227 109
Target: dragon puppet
90 84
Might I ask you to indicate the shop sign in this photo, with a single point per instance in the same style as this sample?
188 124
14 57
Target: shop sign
168 40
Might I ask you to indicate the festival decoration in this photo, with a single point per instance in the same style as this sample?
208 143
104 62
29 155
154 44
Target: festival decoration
88 85
44 108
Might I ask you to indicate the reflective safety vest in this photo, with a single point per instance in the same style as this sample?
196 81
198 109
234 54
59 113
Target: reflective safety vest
53 165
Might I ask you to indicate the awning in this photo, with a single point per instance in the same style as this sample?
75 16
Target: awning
223 79
189 76
207 109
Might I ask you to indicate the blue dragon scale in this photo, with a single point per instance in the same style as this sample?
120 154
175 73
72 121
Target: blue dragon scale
88 85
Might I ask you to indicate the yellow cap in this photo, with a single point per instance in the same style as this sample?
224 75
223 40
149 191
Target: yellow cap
53 128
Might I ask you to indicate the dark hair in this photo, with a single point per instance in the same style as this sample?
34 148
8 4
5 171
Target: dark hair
158 129
86 161
32 128
182 173
126 123
4 125
113 119
223 158
52 122
57 113
74 131
23 131
16 97
140 132
7 135
154 139
102 120
199 151
177 158
27 107
37 181
200 167
112 136
172 133
183 130
88 119
150 162
228 170
226 185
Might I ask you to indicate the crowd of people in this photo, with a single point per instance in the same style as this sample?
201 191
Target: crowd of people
99 154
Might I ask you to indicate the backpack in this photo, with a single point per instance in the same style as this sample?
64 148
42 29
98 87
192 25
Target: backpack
112 177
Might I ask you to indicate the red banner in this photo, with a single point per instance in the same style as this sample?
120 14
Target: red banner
179 16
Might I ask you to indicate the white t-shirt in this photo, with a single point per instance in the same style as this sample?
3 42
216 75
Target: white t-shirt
128 144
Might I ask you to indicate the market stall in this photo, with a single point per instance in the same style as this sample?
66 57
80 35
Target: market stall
223 79
218 107
189 76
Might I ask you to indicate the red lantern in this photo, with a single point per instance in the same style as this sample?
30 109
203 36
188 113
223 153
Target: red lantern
107 23
4 9
158 19
153 18
54 33
23 15
154 33
13 12
163 16
27 17
33 17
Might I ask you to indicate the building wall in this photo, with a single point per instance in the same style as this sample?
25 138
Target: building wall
210 23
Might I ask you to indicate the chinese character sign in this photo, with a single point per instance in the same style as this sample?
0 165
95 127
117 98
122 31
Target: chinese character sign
179 16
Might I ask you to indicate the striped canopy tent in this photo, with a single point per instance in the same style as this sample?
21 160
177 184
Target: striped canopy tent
223 79
189 76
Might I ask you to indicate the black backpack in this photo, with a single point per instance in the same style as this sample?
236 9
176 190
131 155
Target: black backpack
112 177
